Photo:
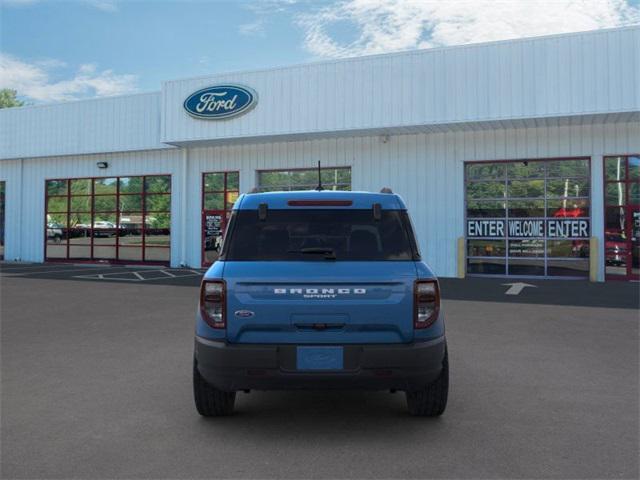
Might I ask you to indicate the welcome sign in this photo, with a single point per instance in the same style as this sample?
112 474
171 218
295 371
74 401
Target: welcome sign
526 228
220 102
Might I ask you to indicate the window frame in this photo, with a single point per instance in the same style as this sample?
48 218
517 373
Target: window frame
143 212
506 199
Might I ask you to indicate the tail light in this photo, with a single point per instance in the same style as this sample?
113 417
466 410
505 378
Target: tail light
213 303
426 303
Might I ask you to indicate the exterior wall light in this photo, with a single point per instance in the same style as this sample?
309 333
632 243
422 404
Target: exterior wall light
102 165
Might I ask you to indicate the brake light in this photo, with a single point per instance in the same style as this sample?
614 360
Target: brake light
213 303
319 203
426 303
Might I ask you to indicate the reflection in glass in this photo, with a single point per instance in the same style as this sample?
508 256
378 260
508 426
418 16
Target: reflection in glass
526 267
526 208
57 204
158 184
130 185
568 268
213 182
614 168
133 254
105 186
568 208
568 248
130 203
634 194
486 248
105 203
233 181
158 203
80 186
485 171
526 248
568 168
56 187
485 208
485 190
634 168
568 188
526 189
81 204
307 179
157 237
486 266
615 219
615 194
156 254
526 169
214 201
80 252
104 252
56 250
130 237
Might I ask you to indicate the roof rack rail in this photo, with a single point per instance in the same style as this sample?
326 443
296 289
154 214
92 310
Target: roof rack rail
386 190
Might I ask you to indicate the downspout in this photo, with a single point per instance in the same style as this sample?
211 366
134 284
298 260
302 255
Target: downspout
184 209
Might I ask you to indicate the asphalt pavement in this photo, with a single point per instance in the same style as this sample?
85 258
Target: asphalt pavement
96 383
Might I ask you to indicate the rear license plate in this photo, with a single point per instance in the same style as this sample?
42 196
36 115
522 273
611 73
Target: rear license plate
320 358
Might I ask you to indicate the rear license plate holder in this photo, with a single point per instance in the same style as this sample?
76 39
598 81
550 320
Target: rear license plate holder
320 358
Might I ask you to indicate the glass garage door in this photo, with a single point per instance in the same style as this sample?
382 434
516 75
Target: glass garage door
120 219
304 179
528 217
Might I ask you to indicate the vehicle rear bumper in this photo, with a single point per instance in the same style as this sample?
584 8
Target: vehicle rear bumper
231 367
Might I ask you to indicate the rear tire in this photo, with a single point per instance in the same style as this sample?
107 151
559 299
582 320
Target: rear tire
211 402
432 400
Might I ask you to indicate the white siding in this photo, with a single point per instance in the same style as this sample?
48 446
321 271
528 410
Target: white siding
426 169
115 124
592 73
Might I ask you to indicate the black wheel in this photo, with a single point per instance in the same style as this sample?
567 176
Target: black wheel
211 402
432 401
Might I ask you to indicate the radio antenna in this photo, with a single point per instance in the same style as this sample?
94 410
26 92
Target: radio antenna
319 187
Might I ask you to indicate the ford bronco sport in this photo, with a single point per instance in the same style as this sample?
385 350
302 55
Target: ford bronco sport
320 289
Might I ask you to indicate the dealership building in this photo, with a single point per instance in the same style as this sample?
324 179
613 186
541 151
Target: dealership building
515 158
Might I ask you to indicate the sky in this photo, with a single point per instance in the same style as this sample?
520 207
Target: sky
55 50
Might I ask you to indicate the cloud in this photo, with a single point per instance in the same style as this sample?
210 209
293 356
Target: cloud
34 80
253 28
391 25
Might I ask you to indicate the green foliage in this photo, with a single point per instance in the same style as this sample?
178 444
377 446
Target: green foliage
8 98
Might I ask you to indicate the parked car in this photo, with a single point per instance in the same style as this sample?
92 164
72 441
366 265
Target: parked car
320 289
54 232
103 228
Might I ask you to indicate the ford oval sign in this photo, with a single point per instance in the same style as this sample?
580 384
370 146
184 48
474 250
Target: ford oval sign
220 102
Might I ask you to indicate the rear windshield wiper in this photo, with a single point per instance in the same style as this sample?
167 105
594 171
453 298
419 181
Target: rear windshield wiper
328 253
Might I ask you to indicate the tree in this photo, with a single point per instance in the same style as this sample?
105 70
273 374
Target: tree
8 98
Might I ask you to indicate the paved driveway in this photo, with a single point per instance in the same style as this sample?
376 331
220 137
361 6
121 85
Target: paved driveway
96 384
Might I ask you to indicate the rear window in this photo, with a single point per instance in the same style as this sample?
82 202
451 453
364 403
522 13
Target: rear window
319 234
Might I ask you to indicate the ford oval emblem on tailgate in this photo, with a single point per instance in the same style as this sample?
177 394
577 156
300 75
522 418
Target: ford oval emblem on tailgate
244 313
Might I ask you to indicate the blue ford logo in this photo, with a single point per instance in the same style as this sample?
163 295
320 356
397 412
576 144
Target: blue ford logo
244 313
220 101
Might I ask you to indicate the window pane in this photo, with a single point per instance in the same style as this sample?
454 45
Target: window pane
81 204
568 268
56 235
81 186
485 208
614 168
157 237
130 203
156 254
104 220
130 185
568 248
568 168
486 248
159 184
526 267
214 201
81 252
133 254
80 220
615 194
634 168
103 237
634 194
486 266
526 208
104 252
158 203
56 187
58 250
568 188
569 208
485 190
57 220
485 171
526 248
615 219
158 220
105 185
526 188
231 199
332 179
105 203
233 181
57 204
214 182
130 237
526 170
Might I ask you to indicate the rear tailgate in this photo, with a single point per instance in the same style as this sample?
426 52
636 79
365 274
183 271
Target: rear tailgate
319 302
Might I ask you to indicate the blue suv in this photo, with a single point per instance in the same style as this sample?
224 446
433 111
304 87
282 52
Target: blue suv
320 289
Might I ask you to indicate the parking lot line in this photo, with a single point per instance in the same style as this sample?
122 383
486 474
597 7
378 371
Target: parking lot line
23 272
